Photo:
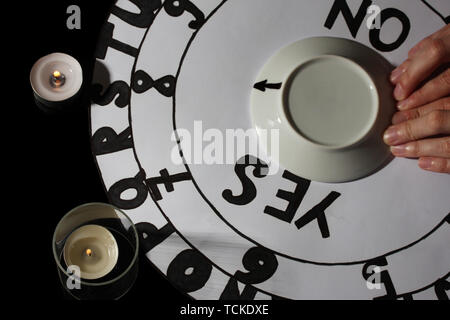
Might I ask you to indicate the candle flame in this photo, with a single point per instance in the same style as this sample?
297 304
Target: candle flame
88 252
56 74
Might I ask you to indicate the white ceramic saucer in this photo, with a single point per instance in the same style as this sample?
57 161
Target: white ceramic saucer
331 100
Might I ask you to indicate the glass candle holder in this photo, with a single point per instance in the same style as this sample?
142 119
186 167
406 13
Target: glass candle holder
96 248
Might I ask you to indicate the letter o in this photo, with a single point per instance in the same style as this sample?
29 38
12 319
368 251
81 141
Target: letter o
374 34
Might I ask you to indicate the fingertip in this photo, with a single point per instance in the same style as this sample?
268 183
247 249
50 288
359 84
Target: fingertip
399 151
391 136
395 75
439 165
426 163
399 92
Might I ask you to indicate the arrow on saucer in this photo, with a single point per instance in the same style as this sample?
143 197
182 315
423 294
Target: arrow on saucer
263 85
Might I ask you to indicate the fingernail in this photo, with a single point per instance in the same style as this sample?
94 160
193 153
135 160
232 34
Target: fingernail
399 151
391 136
399 92
399 117
396 73
402 105
425 163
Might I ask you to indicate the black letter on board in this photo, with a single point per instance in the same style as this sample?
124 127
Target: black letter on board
144 18
118 88
294 198
231 291
189 270
374 34
136 183
105 140
440 288
106 40
150 236
248 188
318 212
176 8
385 278
354 23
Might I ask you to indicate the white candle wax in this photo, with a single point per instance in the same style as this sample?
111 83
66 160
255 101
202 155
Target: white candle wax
56 77
93 249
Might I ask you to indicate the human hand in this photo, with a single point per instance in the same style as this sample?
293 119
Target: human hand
421 127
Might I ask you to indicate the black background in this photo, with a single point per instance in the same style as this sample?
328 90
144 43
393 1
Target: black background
58 170
52 167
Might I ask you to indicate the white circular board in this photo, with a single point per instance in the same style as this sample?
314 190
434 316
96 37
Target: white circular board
226 230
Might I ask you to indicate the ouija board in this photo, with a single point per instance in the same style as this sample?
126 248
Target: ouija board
230 231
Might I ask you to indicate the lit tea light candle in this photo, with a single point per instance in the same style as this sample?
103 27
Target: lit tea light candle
56 80
93 249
